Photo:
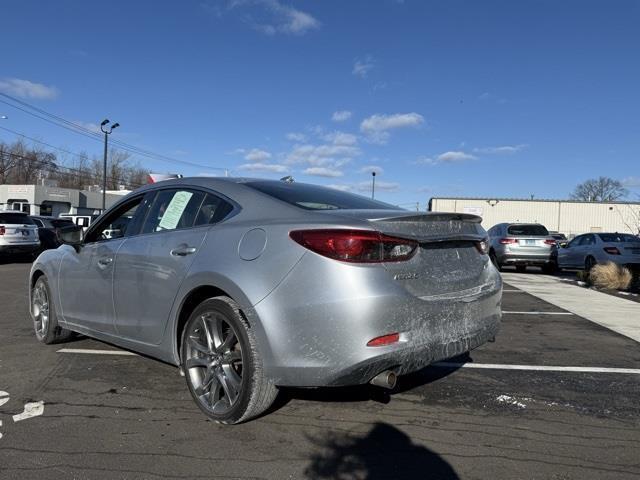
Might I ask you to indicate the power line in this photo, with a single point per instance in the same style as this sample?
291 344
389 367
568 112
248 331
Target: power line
79 129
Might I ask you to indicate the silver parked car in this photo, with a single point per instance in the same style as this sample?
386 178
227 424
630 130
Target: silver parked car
585 251
18 234
522 245
249 285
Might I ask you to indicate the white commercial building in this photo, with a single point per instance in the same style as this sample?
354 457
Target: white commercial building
52 201
566 216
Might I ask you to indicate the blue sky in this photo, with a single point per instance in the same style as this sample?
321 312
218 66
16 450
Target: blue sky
463 98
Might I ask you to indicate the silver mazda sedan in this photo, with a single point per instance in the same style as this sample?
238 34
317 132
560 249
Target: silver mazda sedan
248 285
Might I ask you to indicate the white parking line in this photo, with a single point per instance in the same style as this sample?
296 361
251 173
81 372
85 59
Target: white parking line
512 290
96 352
537 368
538 313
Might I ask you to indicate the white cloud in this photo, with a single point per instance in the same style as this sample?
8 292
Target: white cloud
323 172
372 168
272 17
322 155
362 67
376 126
380 186
26 89
296 137
257 155
502 150
446 157
341 116
94 127
631 182
264 167
340 138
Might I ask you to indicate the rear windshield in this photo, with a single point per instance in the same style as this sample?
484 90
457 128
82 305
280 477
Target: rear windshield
533 229
15 219
315 197
618 237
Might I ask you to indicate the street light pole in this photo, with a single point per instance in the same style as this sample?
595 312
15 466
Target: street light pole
107 132
373 185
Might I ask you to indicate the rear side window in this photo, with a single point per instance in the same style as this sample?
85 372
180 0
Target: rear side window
618 237
15 219
314 197
528 229
212 210
173 209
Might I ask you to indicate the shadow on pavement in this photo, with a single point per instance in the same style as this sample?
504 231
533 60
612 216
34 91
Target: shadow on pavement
366 392
383 453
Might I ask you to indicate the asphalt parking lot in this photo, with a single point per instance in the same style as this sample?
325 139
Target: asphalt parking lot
125 416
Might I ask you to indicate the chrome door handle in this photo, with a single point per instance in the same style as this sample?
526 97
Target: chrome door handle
104 262
183 251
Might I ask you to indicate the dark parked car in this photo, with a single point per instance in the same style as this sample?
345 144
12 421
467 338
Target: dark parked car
47 230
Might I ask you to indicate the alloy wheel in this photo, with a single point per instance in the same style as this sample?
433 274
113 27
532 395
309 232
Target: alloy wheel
40 308
213 362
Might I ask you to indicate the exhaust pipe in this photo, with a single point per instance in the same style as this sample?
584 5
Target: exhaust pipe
386 379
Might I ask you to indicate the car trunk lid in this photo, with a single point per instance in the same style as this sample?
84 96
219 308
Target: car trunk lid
447 259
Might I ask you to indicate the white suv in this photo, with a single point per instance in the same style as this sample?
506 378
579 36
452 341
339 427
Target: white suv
18 233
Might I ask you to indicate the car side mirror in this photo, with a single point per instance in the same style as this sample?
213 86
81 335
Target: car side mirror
70 235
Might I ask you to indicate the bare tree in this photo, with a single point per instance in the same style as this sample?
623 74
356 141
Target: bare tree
602 189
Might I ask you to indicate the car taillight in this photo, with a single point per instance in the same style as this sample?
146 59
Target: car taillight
2 230
507 240
612 250
483 246
384 340
356 246
549 241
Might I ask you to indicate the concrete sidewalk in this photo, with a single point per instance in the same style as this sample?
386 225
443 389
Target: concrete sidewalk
617 314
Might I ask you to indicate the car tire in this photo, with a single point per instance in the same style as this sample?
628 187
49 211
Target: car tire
43 314
222 364
589 263
521 268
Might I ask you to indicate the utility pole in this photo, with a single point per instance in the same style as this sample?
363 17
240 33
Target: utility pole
107 132
373 185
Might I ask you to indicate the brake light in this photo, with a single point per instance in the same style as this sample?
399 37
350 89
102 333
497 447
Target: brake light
549 241
384 340
2 230
507 240
355 246
612 250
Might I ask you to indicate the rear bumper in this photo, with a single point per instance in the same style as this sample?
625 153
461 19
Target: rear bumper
524 259
19 248
314 334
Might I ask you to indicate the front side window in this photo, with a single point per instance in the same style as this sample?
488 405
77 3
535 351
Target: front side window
115 224
173 209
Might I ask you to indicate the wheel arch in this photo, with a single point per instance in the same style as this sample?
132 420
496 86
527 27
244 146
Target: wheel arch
196 293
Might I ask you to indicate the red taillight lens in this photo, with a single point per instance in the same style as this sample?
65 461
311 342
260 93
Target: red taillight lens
549 241
356 246
612 250
384 340
2 230
506 241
